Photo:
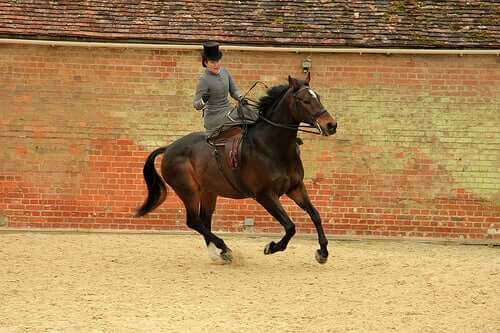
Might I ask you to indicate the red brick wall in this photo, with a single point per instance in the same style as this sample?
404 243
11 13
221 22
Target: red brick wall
416 154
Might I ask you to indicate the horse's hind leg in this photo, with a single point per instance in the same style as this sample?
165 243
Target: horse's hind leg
179 174
272 204
194 222
198 218
207 207
301 198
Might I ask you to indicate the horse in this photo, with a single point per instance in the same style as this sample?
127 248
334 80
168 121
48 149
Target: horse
270 168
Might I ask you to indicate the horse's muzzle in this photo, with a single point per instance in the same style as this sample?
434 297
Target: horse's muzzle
331 128
327 123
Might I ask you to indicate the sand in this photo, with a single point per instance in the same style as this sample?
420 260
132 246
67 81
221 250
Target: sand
105 282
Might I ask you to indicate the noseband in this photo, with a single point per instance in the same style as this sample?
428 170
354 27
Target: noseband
297 127
297 99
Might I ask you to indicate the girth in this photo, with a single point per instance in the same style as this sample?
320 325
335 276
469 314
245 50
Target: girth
227 151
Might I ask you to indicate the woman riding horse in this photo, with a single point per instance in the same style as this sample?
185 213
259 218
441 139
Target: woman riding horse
270 167
212 90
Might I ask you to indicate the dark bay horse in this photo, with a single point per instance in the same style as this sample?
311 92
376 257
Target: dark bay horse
270 167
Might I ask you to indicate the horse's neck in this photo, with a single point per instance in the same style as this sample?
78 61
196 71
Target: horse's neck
281 114
280 140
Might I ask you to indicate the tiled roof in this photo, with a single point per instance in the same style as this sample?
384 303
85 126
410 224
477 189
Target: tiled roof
314 23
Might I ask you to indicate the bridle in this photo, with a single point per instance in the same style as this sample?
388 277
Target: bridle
296 127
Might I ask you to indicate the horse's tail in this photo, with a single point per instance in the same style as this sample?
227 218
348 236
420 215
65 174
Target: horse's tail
157 191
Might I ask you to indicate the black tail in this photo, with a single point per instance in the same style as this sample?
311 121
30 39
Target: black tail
157 191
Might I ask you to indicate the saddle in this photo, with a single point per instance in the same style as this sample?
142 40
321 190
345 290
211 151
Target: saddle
230 143
227 151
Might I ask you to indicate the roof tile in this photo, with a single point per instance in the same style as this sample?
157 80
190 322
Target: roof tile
318 23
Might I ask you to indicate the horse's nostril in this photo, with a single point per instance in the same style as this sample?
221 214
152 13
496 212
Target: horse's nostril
331 127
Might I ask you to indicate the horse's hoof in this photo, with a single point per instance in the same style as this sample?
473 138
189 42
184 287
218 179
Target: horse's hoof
227 256
268 249
321 258
218 256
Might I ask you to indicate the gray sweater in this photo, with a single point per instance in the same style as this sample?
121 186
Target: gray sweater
217 86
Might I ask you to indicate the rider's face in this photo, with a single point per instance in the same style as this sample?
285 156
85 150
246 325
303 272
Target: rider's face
214 66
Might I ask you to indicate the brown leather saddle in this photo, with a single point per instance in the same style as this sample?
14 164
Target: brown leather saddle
228 142
227 151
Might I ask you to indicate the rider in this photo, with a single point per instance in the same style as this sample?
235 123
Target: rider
212 91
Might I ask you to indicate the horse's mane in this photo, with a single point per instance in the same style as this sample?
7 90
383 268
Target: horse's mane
273 95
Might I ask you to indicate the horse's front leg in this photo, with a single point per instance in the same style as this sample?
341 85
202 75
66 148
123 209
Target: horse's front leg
301 198
272 204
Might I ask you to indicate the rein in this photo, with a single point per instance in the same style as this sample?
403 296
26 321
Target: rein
299 128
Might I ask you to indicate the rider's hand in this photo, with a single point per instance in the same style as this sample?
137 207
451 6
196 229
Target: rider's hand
243 101
205 98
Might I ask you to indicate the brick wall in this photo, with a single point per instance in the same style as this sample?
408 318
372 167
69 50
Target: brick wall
417 152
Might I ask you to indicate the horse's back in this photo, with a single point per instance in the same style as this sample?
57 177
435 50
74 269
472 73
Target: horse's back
186 144
192 150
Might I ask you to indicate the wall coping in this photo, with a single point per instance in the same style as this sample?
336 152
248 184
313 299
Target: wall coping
251 48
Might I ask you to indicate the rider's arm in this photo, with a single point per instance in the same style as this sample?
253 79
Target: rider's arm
201 94
233 89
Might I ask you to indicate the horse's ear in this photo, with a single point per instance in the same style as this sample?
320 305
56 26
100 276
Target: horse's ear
293 83
308 78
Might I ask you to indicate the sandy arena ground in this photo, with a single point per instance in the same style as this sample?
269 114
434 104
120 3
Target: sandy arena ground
78 282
